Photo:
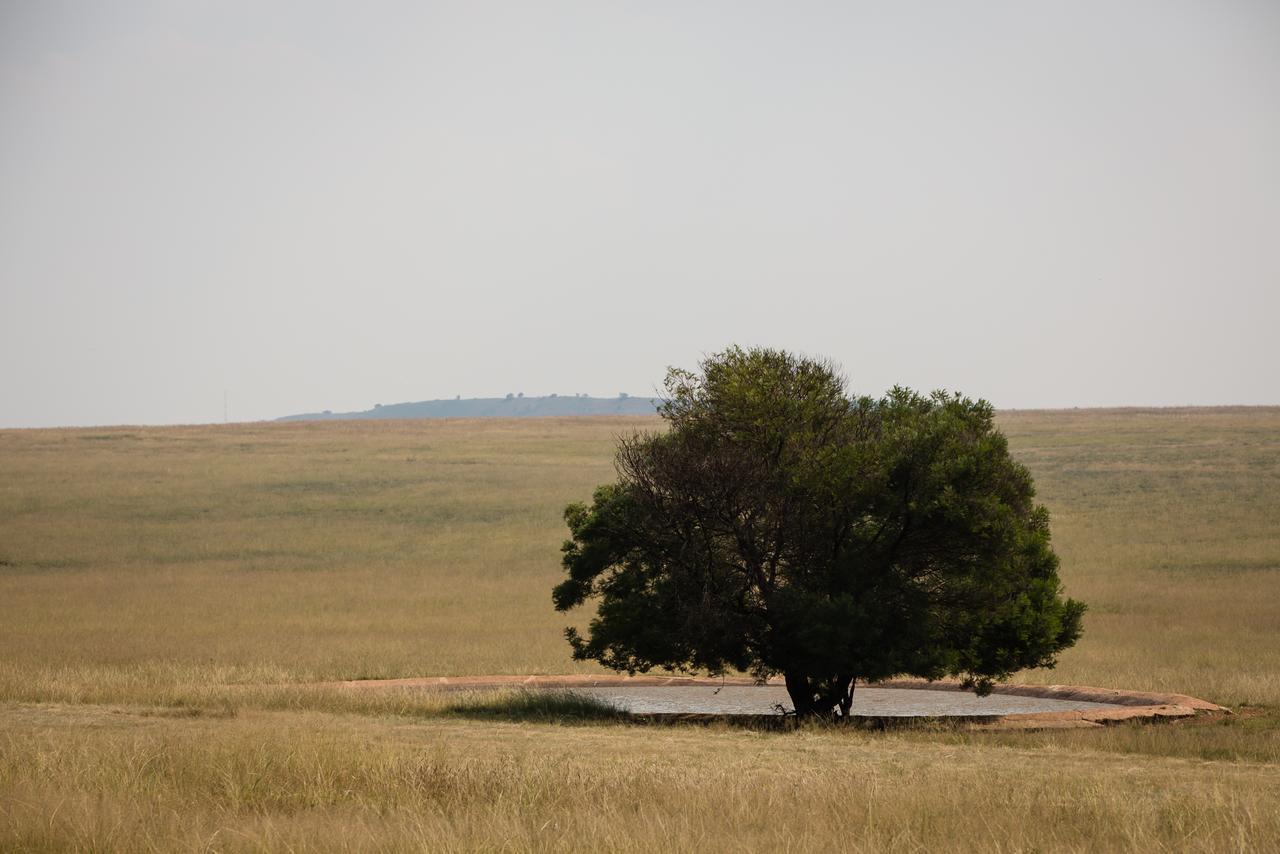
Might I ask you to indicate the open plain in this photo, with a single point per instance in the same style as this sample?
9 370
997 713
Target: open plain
167 595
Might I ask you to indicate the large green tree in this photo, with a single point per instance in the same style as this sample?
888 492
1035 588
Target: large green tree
781 526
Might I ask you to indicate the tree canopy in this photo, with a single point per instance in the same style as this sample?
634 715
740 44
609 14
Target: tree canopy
780 525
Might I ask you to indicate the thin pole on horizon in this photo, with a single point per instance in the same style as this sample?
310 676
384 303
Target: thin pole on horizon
224 406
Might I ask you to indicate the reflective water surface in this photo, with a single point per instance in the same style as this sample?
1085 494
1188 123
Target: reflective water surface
874 702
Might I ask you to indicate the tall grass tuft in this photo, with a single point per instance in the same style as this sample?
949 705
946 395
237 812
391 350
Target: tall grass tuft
534 706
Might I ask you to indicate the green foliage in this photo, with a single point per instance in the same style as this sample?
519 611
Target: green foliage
780 526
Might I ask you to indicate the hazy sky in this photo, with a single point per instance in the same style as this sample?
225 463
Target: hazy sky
1044 204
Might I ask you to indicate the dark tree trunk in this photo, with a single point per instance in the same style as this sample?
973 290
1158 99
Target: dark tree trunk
801 693
821 697
846 684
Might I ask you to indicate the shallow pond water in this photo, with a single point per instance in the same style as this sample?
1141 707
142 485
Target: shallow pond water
870 702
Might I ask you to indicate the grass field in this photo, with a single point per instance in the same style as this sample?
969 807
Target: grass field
166 593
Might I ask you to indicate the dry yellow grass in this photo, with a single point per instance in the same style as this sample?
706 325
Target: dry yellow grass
112 779
155 580
340 549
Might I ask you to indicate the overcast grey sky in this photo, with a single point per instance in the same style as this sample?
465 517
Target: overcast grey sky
323 206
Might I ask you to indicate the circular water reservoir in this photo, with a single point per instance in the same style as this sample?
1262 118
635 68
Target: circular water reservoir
867 702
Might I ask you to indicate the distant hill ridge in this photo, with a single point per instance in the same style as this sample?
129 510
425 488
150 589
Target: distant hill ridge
495 407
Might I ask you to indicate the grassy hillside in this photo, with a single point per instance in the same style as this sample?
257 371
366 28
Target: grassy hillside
164 590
